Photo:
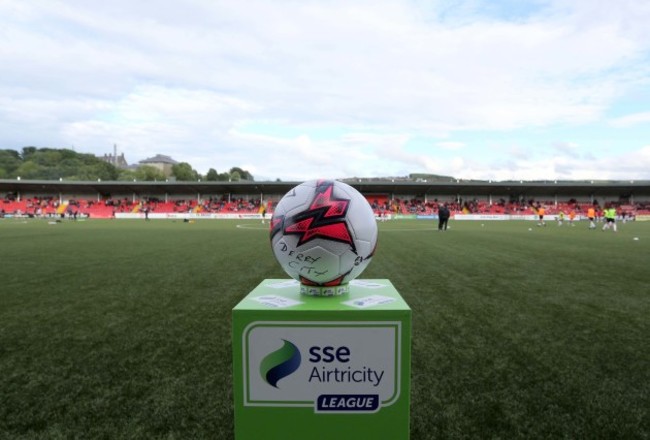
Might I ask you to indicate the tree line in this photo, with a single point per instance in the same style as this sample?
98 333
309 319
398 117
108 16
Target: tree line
54 164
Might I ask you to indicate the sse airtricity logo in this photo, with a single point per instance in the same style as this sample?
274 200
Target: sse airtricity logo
343 367
280 363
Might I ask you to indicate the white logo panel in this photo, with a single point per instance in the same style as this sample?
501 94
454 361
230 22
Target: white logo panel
294 363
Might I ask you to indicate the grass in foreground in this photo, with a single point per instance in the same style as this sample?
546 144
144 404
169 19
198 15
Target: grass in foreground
121 329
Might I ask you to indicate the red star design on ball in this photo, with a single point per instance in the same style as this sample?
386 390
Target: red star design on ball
325 218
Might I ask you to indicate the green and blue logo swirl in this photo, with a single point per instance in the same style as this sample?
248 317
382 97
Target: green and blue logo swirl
279 364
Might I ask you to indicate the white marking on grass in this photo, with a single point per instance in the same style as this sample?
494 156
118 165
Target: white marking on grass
256 227
409 229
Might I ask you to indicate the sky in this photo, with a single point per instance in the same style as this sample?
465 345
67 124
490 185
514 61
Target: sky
304 89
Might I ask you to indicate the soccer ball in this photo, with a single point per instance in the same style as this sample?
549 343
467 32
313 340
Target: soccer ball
323 234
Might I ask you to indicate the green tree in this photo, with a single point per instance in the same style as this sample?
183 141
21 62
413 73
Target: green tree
184 172
235 176
107 171
125 175
28 151
101 170
54 164
212 175
30 170
9 161
149 173
68 167
243 174
46 157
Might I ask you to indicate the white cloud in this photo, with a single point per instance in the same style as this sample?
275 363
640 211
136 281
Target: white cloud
630 120
556 166
183 79
451 145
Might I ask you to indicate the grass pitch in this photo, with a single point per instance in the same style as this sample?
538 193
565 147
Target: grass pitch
121 329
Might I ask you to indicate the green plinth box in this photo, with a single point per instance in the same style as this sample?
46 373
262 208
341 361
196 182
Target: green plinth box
334 368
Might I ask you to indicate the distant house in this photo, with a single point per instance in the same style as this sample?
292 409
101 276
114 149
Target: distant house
160 161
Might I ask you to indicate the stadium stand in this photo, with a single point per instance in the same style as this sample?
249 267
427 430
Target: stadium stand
103 200
48 206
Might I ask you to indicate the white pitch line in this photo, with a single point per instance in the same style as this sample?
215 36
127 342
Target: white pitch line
252 227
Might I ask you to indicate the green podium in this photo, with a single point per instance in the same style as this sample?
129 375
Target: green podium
334 368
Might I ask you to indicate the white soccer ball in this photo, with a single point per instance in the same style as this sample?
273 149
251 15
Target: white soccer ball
323 234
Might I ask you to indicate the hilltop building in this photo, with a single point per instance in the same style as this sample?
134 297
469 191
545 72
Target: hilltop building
160 161
118 161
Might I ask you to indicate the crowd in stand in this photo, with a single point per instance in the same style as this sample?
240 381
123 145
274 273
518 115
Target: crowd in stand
518 207
49 206
44 206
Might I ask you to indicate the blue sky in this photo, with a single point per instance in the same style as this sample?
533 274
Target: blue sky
297 90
